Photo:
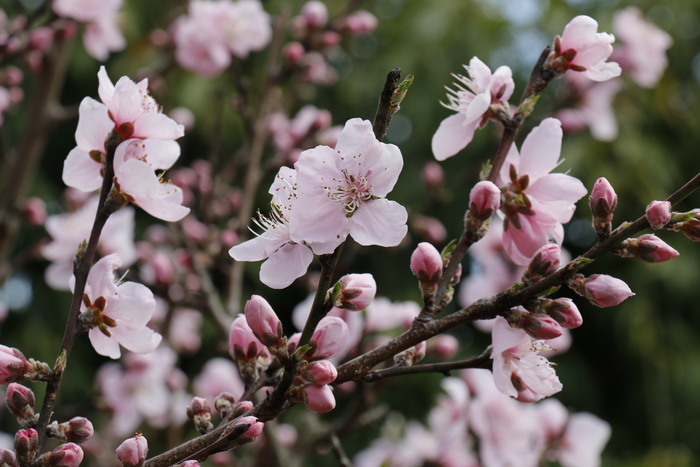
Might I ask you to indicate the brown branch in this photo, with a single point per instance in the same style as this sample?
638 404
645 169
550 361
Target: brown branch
385 110
482 361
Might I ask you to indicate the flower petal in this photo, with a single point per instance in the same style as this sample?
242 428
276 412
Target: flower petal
379 222
452 136
540 152
94 125
81 171
285 265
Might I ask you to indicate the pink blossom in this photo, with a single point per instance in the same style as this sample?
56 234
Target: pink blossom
102 35
214 30
518 370
385 315
644 49
593 107
319 398
68 230
583 441
658 214
343 191
477 98
582 48
287 259
218 375
537 202
133 451
119 312
315 14
360 22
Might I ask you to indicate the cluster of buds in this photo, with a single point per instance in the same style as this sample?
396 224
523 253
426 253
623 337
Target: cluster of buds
20 400
77 430
600 289
648 247
199 413
353 292
132 452
311 385
411 356
227 407
686 222
544 263
603 202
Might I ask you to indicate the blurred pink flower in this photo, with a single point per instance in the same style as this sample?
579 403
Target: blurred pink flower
477 98
102 35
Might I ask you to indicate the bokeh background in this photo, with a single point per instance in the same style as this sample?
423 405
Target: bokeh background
636 365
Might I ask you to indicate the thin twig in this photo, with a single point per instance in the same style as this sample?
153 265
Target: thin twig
339 451
482 361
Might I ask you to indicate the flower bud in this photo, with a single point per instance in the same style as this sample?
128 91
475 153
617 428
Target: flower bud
603 201
360 22
319 398
189 464
199 412
315 13
243 345
600 289
7 458
320 372
540 326
426 264
254 430
26 444
563 310
484 200
688 223
13 365
263 321
66 455
35 211
647 247
658 214
354 292
132 452
294 52
411 356
543 263
432 173
20 400
443 346
328 339
77 430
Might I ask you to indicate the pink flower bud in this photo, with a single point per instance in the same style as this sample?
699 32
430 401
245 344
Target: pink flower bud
545 262
603 290
132 452
315 13
331 38
35 211
13 365
603 201
360 22
78 429
658 214
183 116
484 200
263 321
426 263
320 372
443 346
255 428
293 341
540 326
432 173
189 464
7 458
564 311
654 250
356 292
20 400
328 339
319 398
26 444
199 412
225 404
66 455
294 52
243 345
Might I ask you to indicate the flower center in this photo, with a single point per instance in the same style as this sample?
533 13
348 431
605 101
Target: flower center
351 192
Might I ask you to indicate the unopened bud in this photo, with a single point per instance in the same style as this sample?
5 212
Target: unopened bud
254 430
658 214
354 292
320 372
13 365
243 345
432 173
66 455
563 310
540 326
294 52
20 400
133 451
426 264
360 22
411 356
199 412
189 464
647 247
543 263
600 289
484 200
7 458
26 444
77 430
315 13
443 346
319 398
263 321
328 339
603 201
35 211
